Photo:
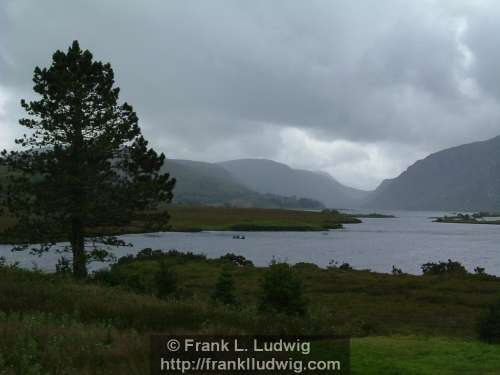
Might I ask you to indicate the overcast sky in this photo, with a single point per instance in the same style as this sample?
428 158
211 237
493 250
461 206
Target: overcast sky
360 89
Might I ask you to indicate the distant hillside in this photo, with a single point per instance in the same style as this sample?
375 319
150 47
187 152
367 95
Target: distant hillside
267 176
211 184
465 177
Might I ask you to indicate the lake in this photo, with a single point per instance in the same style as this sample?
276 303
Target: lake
407 242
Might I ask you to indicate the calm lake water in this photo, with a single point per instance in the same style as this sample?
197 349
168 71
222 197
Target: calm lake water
407 241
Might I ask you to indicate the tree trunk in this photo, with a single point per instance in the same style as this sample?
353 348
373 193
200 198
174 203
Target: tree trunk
77 225
78 248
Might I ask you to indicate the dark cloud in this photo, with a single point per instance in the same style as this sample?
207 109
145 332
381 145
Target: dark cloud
360 89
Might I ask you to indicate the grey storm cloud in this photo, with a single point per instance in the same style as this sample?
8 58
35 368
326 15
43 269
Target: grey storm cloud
357 88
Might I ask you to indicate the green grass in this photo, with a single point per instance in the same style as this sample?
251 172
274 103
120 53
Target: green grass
417 355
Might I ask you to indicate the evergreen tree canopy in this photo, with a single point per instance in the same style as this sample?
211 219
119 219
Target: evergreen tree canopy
282 291
84 165
224 288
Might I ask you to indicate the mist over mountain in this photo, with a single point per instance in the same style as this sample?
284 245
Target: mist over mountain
267 176
465 177
200 183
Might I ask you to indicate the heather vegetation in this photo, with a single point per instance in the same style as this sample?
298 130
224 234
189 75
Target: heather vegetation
109 316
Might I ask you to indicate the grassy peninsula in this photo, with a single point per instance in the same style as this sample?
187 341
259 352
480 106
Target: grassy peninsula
186 218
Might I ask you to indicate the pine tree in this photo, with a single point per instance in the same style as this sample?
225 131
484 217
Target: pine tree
224 288
84 164
282 291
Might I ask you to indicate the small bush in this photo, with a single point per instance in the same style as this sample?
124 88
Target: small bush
224 288
489 324
333 264
282 291
345 266
306 266
479 271
396 271
444 268
238 260
64 266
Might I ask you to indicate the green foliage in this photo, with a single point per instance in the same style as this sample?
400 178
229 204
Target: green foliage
237 260
344 266
150 254
166 281
306 266
63 266
444 268
396 270
488 324
479 271
224 291
282 291
83 164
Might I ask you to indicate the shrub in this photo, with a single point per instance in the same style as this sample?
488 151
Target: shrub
282 291
444 268
396 270
238 260
64 266
224 288
488 325
479 271
345 266
333 264
306 266
150 254
165 280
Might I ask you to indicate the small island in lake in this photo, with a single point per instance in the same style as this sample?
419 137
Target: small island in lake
475 218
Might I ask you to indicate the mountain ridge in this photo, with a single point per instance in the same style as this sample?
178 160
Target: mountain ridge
464 177
269 176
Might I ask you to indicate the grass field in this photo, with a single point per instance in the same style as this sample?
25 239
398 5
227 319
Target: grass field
420 355
401 324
